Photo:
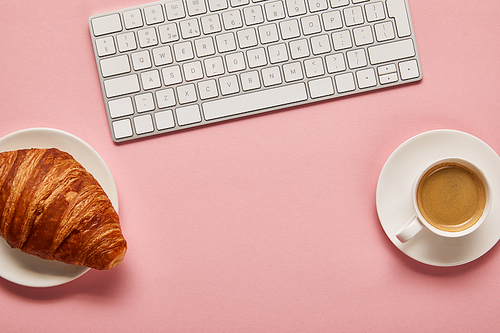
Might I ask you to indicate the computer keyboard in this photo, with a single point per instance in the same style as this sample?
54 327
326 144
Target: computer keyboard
170 65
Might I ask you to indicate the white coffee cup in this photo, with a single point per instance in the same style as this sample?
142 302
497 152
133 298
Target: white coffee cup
449 195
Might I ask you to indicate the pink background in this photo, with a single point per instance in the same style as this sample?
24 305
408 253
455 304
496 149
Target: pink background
267 224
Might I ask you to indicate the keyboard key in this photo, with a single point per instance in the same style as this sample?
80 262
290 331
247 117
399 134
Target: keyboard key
363 36
320 44
250 81
299 49
335 63
232 19
120 107
345 82
208 89
215 5
211 24
391 51
388 78
268 33
271 76
277 53
192 71
314 67
175 9
196 7
165 98
247 38
317 5
332 20
183 51
289 29
366 78
310 24
254 101
105 46
154 14
391 68
296 7
168 33
356 58
126 42
214 66
353 16
409 70
162 56
106 24
143 124
321 87
225 42
235 62
188 115
397 10
256 58
341 40
384 31
164 119
147 37
339 3
122 128
132 18
374 11
115 65
186 94
229 85
141 60
236 3
144 102
122 85
253 15
274 10
293 71
190 28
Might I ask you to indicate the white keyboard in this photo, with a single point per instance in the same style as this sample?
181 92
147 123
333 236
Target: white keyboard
176 64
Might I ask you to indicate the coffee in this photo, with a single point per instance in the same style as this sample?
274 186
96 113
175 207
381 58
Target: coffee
451 197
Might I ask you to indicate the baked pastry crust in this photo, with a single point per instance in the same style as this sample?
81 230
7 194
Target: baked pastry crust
51 207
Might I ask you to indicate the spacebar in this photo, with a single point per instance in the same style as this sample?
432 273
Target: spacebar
254 101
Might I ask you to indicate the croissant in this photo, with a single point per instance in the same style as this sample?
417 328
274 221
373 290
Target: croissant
51 207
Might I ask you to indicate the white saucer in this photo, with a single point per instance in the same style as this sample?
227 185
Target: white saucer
28 270
394 203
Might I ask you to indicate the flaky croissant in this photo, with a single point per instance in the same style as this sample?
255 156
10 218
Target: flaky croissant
51 207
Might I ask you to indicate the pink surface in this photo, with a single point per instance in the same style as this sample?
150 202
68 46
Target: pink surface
267 224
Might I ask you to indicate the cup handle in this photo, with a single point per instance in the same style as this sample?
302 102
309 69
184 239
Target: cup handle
409 229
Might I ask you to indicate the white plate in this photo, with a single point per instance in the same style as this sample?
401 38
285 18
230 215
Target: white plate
29 270
394 203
